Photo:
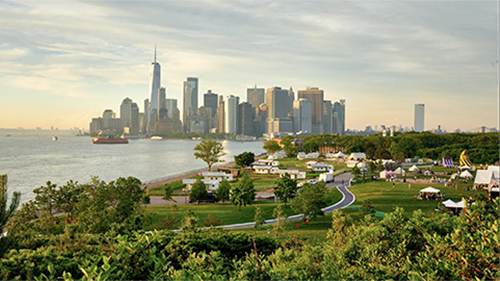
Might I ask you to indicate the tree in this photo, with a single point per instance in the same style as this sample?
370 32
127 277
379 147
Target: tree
259 217
355 171
289 148
66 197
310 146
209 151
198 191
280 218
243 192
286 188
168 193
244 159
223 191
368 208
271 147
310 200
6 211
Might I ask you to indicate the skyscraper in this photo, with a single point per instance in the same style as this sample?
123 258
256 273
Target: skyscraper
145 119
210 101
277 103
154 85
161 96
245 122
419 117
190 101
134 119
338 118
315 95
302 116
327 117
220 113
230 114
256 96
170 105
126 112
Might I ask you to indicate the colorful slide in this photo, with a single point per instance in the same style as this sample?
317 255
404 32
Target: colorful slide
448 162
464 159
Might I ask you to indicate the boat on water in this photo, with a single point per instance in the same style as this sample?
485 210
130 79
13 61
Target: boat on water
156 138
54 138
108 140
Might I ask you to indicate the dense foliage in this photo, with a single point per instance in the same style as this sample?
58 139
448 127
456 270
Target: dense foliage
482 147
437 247
244 159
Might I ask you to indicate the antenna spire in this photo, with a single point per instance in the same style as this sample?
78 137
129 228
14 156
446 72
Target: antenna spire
155 52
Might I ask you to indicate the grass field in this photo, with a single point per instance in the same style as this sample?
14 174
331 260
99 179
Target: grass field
227 213
385 198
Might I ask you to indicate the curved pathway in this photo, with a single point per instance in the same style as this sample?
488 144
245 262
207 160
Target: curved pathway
347 199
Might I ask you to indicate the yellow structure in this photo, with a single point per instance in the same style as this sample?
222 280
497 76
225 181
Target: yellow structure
464 159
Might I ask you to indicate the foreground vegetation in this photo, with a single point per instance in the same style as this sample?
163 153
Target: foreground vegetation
434 247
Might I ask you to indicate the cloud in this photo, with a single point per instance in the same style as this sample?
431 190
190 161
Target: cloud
360 50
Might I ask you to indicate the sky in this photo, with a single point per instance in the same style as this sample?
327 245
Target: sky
65 62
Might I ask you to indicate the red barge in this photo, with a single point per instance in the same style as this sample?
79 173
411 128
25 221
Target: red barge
109 140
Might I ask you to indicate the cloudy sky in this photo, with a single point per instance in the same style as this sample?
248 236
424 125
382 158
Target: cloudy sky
64 62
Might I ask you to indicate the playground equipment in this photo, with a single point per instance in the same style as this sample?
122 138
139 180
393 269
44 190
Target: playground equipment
448 162
464 159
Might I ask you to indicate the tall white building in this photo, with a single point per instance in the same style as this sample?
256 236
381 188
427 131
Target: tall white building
190 106
302 116
230 114
419 117
154 85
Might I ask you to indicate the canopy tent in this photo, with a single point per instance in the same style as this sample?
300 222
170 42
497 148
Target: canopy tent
450 204
495 170
361 165
483 177
400 171
455 176
387 174
413 169
465 167
339 155
430 189
466 174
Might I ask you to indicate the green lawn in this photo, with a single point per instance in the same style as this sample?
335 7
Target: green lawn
227 213
176 185
385 198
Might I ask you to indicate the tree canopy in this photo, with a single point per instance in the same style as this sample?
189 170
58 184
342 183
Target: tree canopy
210 151
286 188
243 192
198 191
310 200
271 146
244 159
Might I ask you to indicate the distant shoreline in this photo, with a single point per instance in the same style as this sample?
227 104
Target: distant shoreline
187 175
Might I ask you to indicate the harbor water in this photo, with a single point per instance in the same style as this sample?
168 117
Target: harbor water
31 161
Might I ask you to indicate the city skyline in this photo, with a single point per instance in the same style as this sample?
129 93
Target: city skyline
382 57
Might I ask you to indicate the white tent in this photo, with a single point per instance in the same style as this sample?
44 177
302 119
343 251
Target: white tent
413 168
430 189
495 170
339 155
483 177
455 176
400 171
465 167
466 174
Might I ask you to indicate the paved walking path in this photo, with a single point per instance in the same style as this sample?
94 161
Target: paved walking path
347 199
